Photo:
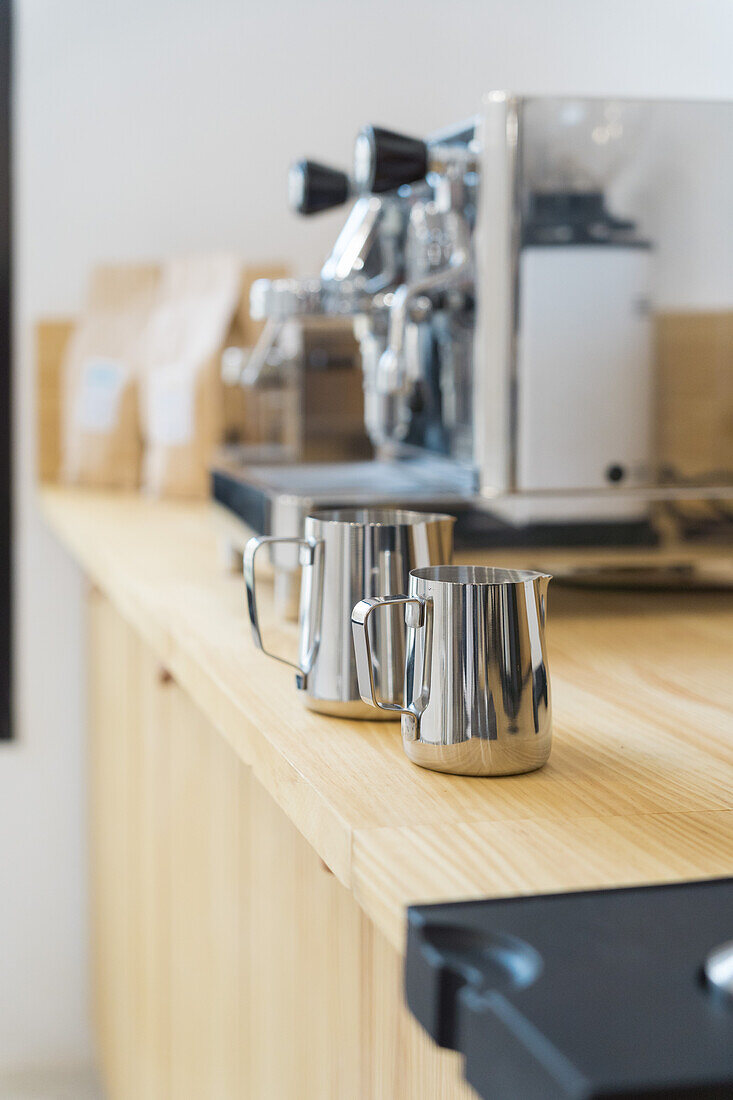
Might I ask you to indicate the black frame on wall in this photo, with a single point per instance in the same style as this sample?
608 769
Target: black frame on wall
6 404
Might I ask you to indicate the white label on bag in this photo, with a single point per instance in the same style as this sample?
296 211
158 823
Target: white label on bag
100 392
170 395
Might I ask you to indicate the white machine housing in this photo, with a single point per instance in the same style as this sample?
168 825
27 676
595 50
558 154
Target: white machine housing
562 355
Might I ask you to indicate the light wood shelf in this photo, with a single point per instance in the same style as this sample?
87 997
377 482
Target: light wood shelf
639 787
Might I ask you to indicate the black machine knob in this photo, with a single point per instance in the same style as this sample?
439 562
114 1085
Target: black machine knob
313 187
384 161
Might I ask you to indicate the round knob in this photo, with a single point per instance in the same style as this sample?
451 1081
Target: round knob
313 187
383 160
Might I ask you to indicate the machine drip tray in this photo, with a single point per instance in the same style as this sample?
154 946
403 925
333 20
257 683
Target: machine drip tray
274 499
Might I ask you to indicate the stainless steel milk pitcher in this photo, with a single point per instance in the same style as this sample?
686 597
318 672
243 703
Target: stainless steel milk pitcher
476 697
347 554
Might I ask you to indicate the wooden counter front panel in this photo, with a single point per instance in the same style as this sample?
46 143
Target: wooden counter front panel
228 961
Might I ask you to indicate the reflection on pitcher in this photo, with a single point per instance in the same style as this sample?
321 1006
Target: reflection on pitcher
347 554
476 686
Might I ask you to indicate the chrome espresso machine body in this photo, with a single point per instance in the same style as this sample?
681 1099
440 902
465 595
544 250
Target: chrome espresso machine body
402 268
499 283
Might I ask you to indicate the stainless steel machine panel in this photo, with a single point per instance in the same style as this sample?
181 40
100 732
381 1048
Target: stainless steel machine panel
543 299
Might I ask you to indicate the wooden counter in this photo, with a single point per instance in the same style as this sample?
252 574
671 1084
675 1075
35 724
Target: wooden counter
639 787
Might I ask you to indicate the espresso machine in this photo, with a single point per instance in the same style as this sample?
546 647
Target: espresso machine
499 277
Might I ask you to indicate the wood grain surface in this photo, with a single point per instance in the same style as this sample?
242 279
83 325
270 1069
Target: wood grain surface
52 337
639 786
228 961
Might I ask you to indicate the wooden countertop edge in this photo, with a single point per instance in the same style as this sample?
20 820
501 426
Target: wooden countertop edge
388 867
319 823
392 866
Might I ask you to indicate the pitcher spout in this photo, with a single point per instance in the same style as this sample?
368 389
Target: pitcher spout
542 582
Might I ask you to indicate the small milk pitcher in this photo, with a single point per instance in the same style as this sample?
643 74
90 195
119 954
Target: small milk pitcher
347 554
476 697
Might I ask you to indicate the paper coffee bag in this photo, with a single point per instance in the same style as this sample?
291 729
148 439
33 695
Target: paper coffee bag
183 403
101 442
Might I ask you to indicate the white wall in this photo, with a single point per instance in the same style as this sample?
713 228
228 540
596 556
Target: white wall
146 127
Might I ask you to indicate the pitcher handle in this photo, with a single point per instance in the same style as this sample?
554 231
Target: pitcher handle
306 556
363 650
